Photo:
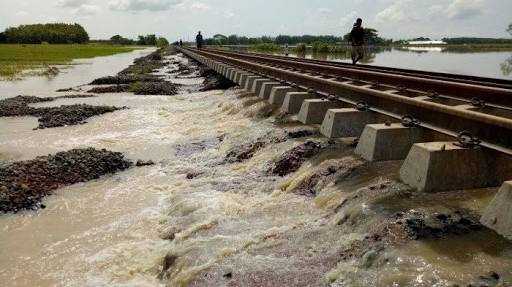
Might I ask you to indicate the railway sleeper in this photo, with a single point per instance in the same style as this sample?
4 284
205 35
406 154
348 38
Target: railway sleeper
278 94
313 111
429 165
266 89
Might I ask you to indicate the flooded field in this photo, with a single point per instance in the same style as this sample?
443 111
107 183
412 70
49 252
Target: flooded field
476 62
239 195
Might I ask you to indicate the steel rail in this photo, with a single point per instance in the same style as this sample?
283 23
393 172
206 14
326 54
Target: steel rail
465 91
484 81
495 132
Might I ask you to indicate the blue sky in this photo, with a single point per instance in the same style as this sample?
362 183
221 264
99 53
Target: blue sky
174 18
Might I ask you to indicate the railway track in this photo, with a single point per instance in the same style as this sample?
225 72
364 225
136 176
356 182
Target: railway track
491 82
449 106
453 132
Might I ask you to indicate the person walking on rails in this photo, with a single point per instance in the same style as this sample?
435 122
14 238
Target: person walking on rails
199 40
357 41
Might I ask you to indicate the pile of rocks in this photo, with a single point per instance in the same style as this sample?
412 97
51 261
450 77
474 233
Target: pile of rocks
420 225
154 88
50 117
69 115
24 184
138 78
125 79
145 65
293 159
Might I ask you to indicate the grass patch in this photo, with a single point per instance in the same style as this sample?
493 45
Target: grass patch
16 58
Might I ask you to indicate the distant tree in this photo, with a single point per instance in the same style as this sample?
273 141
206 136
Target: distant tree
119 40
509 30
141 40
473 40
151 40
421 39
3 38
162 42
148 40
371 37
56 33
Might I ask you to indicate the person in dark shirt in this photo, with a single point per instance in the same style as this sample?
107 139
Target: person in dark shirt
199 40
181 43
357 41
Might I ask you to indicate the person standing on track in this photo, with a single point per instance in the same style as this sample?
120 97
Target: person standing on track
357 41
199 40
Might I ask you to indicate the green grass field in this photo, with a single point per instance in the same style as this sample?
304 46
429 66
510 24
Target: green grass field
16 58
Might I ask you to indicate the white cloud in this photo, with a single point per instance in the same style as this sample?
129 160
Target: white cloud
87 10
199 6
141 5
463 9
21 13
323 11
399 11
228 14
71 3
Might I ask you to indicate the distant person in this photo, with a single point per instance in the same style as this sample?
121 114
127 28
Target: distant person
286 50
181 43
357 41
199 40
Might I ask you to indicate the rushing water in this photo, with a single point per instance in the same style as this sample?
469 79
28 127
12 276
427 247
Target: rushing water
476 62
233 224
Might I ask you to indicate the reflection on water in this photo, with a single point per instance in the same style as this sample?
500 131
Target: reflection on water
493 63
506 67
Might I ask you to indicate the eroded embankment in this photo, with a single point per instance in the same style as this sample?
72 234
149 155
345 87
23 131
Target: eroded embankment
251 198
283 210
143 77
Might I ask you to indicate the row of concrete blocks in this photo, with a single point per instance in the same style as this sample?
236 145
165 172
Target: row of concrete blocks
429 165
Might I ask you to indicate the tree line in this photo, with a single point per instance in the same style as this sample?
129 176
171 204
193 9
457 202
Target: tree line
61 33
471 40
372 38
371 35
148 40
55 33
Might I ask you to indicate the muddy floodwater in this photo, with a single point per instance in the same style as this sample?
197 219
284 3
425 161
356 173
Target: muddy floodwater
464 61
213 211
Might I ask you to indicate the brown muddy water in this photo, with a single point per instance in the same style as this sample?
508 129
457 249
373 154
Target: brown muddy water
194 220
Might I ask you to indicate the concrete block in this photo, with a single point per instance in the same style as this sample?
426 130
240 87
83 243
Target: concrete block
230 74
381 142
441 166
278 93
313 111
256 86
226 71
347 122
239 73
293 101
266 88
243 79
250 81
235 74
498 215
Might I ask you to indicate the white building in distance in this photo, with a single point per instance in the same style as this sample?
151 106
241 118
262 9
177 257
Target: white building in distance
426 42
